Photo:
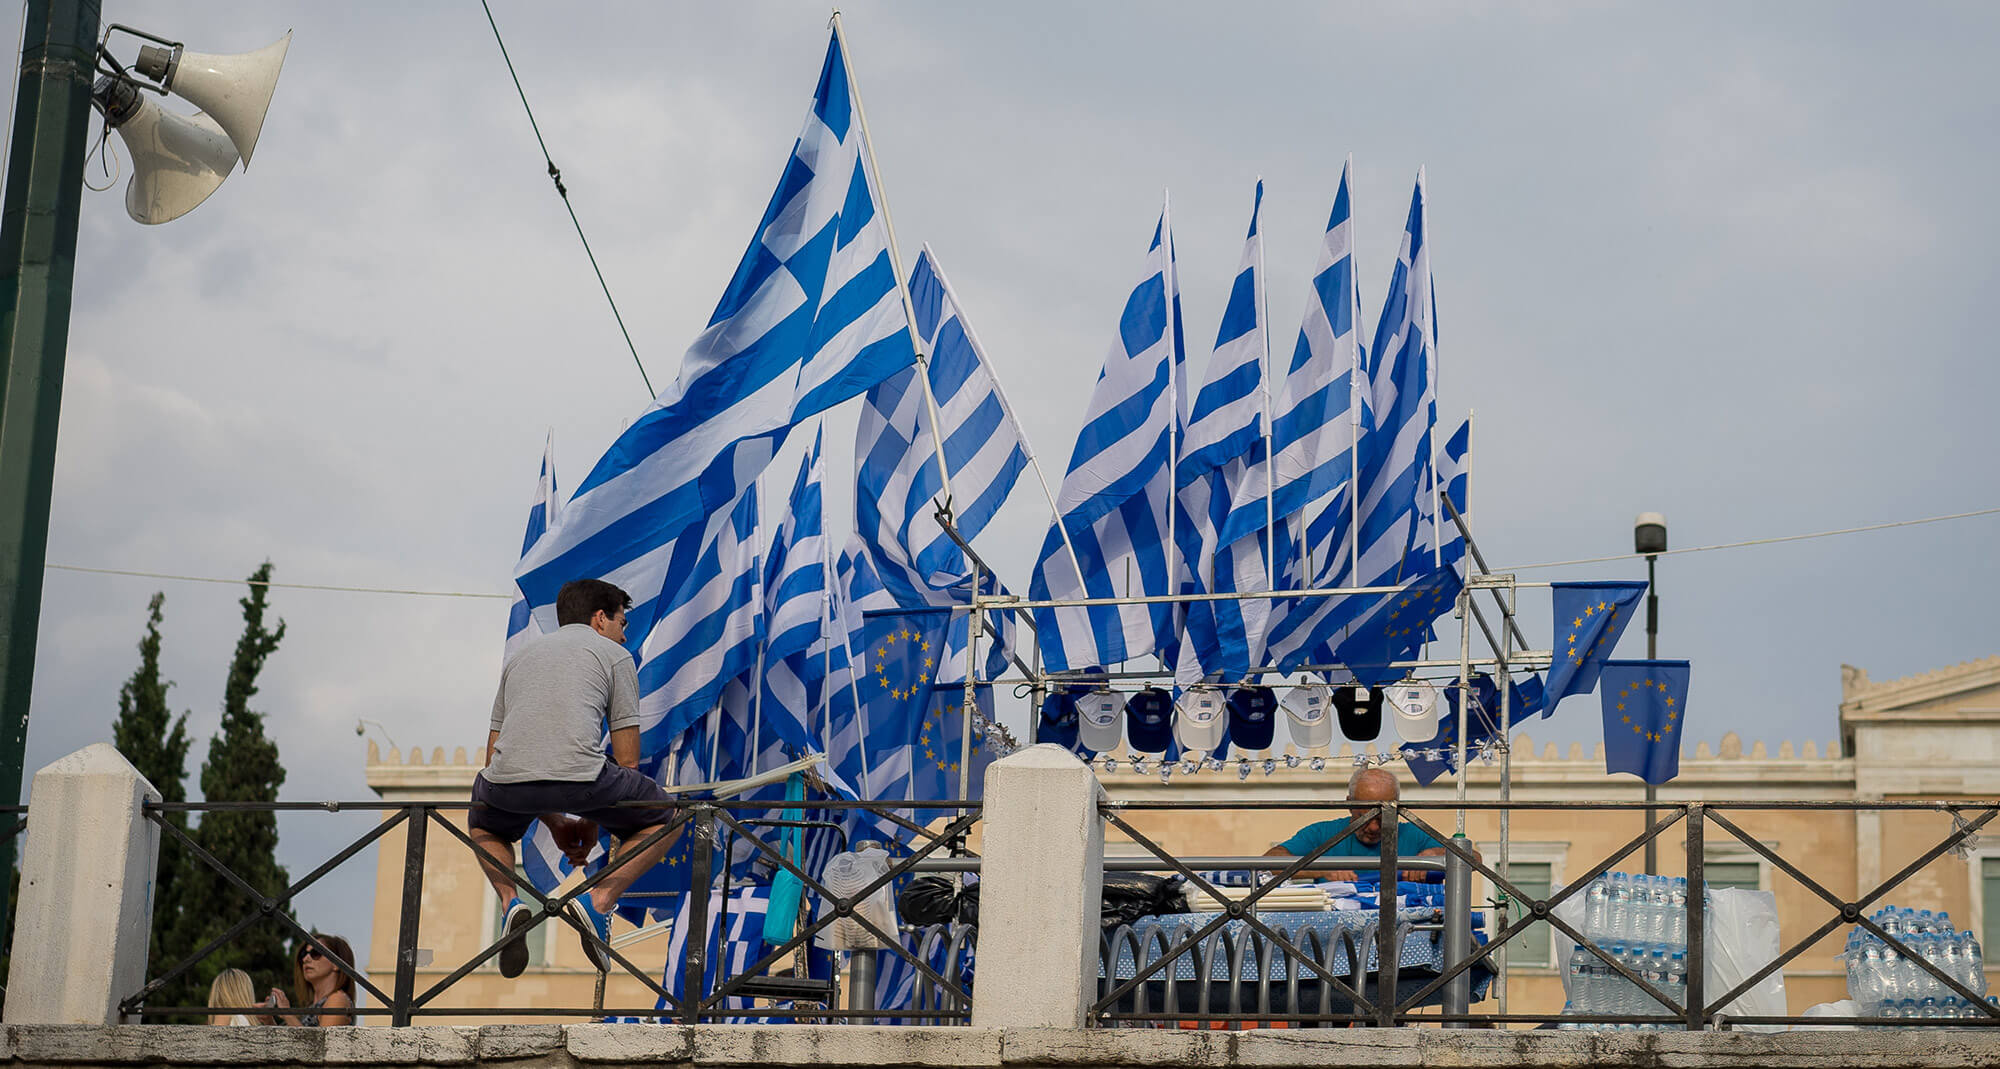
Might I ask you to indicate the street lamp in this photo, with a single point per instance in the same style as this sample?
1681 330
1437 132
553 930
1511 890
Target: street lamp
1649 536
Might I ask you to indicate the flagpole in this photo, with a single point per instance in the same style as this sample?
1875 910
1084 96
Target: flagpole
1430 330
757 699
1357 385
1172 279
1007 408
1270 458
895 256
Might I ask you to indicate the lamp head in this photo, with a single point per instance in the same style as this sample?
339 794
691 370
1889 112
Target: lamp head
1649 533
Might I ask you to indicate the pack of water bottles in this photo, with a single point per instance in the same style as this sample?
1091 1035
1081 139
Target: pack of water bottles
1887 983
1641 921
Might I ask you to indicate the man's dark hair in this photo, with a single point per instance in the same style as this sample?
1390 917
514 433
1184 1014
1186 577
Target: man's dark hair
581 599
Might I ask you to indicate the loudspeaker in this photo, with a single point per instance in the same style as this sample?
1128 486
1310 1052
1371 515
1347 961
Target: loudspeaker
235 90
177 160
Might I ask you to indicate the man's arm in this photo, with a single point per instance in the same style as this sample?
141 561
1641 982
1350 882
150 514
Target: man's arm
492 740
1341 875
625 746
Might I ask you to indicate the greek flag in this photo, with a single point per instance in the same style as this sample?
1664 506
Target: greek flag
796 603
1319 414
1454 475
1112 532
812 317
1396 533
544 513
711 632
1222 455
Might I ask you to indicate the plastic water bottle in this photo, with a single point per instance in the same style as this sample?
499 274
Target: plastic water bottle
1929 1008
1869 992
1612 997
1889 920
1677 913
1887 1009
1677 976
1658 974
1889 976
1973 964
1908 1007
1578 971
1944 924
1596 919
1618 906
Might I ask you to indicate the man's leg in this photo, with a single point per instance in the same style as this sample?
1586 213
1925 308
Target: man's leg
628 863
496 859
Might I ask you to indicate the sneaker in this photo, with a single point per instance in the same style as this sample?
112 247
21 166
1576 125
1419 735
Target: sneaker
585 916
514 955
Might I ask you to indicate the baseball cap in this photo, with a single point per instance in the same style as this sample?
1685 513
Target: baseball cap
1098 724
1057 723
1199 721
1360 712
1306 708
1413 704
1149 720
1251 721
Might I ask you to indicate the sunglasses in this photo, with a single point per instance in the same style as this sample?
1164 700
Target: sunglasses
309 952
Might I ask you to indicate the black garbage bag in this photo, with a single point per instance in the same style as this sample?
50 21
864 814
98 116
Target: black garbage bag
1131 895
928 900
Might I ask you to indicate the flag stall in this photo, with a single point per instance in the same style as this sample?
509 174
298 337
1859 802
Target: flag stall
1300 525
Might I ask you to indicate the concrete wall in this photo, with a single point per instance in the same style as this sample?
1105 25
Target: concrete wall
566 1047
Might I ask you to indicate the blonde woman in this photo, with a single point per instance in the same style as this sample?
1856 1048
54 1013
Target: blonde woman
231 990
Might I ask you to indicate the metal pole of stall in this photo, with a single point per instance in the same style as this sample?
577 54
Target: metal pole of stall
1652 653
415 832
1503 916
861 980
1457 933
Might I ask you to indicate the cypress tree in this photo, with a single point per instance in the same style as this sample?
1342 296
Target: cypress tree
156 742
243 766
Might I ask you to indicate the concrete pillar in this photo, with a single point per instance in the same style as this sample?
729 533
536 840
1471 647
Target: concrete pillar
1041 889
86 906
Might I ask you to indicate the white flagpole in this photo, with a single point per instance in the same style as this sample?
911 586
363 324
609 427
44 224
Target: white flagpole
895 256
1171 277
1270 458
1357 386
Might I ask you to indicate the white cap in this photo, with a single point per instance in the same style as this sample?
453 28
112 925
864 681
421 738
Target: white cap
1200 717
1310 713
1100 720
1413 705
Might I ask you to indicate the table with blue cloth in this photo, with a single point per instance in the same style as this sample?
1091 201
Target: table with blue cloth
1239 978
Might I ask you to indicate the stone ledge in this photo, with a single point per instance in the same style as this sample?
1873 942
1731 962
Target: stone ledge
762 1047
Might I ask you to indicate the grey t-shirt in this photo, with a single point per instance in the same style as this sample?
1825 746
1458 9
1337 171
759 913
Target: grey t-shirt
556 695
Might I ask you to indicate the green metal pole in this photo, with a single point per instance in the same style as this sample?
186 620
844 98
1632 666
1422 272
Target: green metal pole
37 270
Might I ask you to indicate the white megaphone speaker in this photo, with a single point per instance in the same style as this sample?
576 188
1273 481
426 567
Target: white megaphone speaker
177 160
235 90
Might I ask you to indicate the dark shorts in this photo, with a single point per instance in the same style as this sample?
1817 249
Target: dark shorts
509 809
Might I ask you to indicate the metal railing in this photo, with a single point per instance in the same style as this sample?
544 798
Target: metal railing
1298 979
713 825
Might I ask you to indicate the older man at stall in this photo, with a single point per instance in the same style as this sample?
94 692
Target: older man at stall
1365 790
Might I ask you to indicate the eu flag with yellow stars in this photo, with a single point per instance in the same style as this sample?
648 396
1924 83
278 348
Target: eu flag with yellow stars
1397 626
1590 617
1645 708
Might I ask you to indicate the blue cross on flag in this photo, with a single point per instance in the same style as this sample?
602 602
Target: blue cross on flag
1590 618
1645 708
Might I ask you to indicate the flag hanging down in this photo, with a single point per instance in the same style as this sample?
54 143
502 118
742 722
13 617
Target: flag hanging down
812 317
795 593
544 513
1438 755
1222 451
1111 535
1644 703
1454 478
709 634
1393 538
1589 619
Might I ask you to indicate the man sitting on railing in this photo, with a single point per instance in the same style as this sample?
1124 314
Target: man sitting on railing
1368 787
544 756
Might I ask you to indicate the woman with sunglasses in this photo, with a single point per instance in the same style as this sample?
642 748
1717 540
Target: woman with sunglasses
324 991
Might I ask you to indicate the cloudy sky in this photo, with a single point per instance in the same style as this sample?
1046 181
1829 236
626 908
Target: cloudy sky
1721 262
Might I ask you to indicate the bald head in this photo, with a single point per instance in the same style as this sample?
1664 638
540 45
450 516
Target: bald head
1374 785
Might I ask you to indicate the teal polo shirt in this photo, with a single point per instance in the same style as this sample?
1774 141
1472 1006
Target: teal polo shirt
1410 840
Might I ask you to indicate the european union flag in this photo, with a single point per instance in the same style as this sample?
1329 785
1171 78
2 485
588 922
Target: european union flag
1645 707
1590 617
1429 760
1397 627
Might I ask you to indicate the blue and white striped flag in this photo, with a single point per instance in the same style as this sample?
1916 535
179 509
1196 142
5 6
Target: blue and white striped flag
1454 474
1222 452
796 601
544 513
1112 532
709 635
1319 414
1396 532
812 317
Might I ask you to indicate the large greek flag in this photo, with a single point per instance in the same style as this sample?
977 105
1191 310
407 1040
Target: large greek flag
710 632
1454 477
1112 532
1395 538
812 317
1318 415
796 602
1222 454
545 512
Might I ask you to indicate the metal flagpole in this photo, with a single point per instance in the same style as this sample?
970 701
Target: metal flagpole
1270 458
895 256
1357 386
1173 392
973 624
1464 691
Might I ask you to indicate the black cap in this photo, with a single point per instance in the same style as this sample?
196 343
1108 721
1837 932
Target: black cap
1360 710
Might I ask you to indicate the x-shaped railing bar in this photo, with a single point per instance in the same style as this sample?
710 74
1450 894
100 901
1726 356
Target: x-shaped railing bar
267 906
842 907
1851 912
1237 910
1544 910
551 907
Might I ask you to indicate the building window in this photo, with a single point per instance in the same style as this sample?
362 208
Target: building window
1535 868
537 937
1747 875
1989 901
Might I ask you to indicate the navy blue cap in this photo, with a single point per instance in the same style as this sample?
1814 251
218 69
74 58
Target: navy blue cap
1057 723
1252 717
1149 720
